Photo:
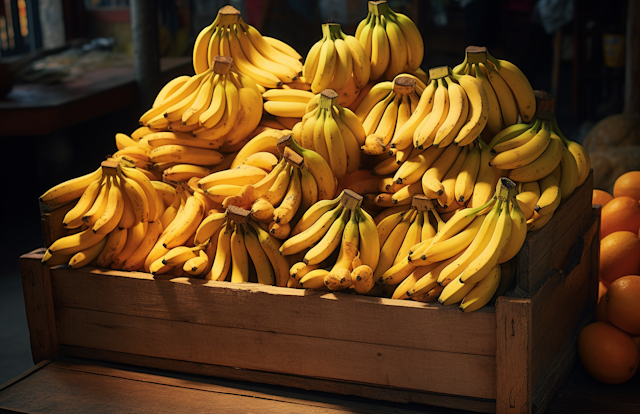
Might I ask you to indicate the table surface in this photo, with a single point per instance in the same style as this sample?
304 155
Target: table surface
76 385
64 104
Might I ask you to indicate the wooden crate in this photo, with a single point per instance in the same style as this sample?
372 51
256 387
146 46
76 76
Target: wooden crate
508 359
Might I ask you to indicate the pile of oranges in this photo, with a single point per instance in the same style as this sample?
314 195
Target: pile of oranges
610 347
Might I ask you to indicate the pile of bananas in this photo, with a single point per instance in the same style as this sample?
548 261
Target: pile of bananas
334 60
547 166
508 90
392 42
386 108
332 131
219 104
269 62
316 236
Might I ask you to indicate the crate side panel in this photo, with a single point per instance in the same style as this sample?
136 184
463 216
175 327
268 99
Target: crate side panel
560 306
266 308
539 244
280 353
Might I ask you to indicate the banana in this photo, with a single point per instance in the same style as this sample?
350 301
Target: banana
326 62
403 137
514 141
486 180
185 223
285 109
265 141
519 85
239 257
242 175
282 47
425 135
344 64
455 292
379 92
518 230
398 49
320 170
524 154
380 53
448 198
410 280
329 241
158 139
360 62
288 95
311 61
113 211
432 178
88 255
200 48
570 172
543 165
494 121
445 249
272 53
271 247
338 279
289 206
264 270
167 90
312 234
222 258
259 75
478 110
72 244
392 244
177 256
427 277
196 265
387 125
314 279
482 292
480 267
69 190
415 44
466 179
279 231
579 153
508 105
369 242
456 117
528 196
262 210
365 39
73 218
184 172
537 221
135 235
209 226
99 206
550 196
349 245
214 113
115 242
351 144
136 260
283 72
278 189
313 214
124 141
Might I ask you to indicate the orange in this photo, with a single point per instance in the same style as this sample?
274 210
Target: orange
628 184
607 353
623 304
621 213
619 255
601 311
600 197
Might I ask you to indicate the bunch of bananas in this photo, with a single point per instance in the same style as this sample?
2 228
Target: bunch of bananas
392 42
288 106
548 165
333 132
386 108
318 233
116 196
508 89
334 60
461 262
269 62
219 104
227 245
453 109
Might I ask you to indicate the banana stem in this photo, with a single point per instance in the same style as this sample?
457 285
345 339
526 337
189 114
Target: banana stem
503 188
379 8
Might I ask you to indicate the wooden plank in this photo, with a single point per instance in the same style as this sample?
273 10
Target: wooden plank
289 311
513 355
38 301
25 374
538 245
391 394
51 223
282 353
559 307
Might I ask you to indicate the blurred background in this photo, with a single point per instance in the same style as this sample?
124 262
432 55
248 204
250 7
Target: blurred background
67 84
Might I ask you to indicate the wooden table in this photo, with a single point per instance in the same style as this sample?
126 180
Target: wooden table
37 109
70 385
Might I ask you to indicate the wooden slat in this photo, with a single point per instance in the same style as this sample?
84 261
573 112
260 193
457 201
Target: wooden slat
283 310
282 353
566 295
538 253
38 301
513 355
25 374
51 223
391 394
